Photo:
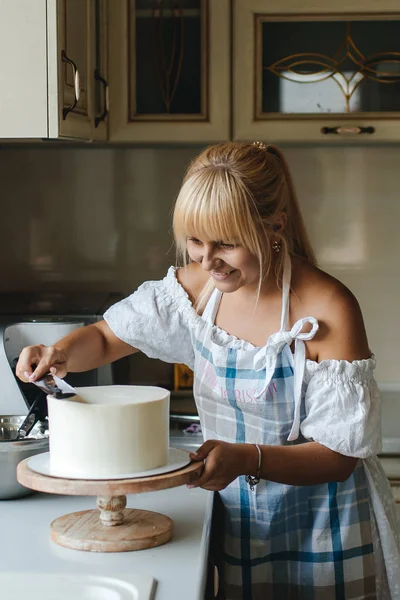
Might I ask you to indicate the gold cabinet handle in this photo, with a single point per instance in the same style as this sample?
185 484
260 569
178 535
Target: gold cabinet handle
347 130
77 85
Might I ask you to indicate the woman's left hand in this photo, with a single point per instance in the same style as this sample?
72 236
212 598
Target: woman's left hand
223 462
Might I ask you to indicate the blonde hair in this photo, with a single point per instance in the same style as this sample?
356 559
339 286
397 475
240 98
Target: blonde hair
233 192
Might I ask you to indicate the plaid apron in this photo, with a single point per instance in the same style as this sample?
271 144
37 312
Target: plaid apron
281 541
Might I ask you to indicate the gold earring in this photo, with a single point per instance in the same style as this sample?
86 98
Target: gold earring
276 246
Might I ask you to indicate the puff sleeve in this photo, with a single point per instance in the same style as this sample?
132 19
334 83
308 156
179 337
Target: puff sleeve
342 406
156 319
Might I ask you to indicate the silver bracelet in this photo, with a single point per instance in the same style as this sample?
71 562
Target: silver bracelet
252 481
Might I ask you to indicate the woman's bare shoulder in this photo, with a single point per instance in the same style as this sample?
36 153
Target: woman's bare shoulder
317 288
193 279
342 334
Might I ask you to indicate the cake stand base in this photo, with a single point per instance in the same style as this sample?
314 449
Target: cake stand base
84 530
113 527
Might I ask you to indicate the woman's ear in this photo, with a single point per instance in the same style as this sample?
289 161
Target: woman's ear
280 222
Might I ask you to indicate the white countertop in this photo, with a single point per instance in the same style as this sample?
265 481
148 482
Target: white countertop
179 567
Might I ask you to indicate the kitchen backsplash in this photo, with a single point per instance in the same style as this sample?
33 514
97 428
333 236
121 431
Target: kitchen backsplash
100 219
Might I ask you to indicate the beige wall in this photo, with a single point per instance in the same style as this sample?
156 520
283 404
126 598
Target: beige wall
99 219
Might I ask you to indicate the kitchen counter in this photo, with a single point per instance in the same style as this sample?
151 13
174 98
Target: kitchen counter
179 567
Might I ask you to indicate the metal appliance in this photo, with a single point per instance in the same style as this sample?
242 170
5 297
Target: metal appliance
44 318
12 452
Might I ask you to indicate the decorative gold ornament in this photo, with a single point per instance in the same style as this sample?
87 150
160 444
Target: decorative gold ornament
383 67
168 62
260 145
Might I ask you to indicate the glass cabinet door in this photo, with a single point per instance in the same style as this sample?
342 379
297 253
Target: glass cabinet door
319 76
173 63
169 51
329 67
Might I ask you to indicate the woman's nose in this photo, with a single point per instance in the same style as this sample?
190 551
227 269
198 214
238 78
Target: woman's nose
208 259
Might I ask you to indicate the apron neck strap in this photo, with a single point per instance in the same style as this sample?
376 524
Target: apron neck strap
287 275
211 309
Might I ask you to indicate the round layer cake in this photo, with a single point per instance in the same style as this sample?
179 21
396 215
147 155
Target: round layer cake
109 430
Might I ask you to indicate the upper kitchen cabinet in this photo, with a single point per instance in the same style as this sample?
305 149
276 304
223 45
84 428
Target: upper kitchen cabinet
324 72
52 62
169 70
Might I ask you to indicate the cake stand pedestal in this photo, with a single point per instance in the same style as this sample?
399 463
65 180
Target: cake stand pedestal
115 528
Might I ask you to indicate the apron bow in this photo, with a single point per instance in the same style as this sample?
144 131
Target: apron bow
267 356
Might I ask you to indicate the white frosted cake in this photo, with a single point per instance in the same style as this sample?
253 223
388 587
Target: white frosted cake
108 431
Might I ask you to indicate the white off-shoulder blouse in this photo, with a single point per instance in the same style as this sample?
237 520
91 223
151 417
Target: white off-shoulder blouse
342 401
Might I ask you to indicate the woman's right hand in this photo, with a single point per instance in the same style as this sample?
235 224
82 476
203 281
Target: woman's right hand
36 361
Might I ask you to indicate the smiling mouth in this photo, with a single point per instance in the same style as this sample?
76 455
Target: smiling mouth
222 273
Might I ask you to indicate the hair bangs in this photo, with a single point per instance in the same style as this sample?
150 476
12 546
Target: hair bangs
211 207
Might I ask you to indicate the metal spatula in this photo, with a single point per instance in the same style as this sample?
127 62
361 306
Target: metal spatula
53 385
60 389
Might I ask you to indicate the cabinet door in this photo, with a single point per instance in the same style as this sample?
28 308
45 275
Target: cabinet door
75 68
23 68
100 73
169 70
326 73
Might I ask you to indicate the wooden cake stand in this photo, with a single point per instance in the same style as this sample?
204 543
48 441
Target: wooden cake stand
116 528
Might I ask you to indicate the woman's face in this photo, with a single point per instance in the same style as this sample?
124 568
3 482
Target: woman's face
231 267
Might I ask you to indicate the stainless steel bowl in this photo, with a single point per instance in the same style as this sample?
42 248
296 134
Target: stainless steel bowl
12 452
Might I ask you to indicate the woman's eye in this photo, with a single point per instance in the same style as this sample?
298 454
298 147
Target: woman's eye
194 240
226 245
